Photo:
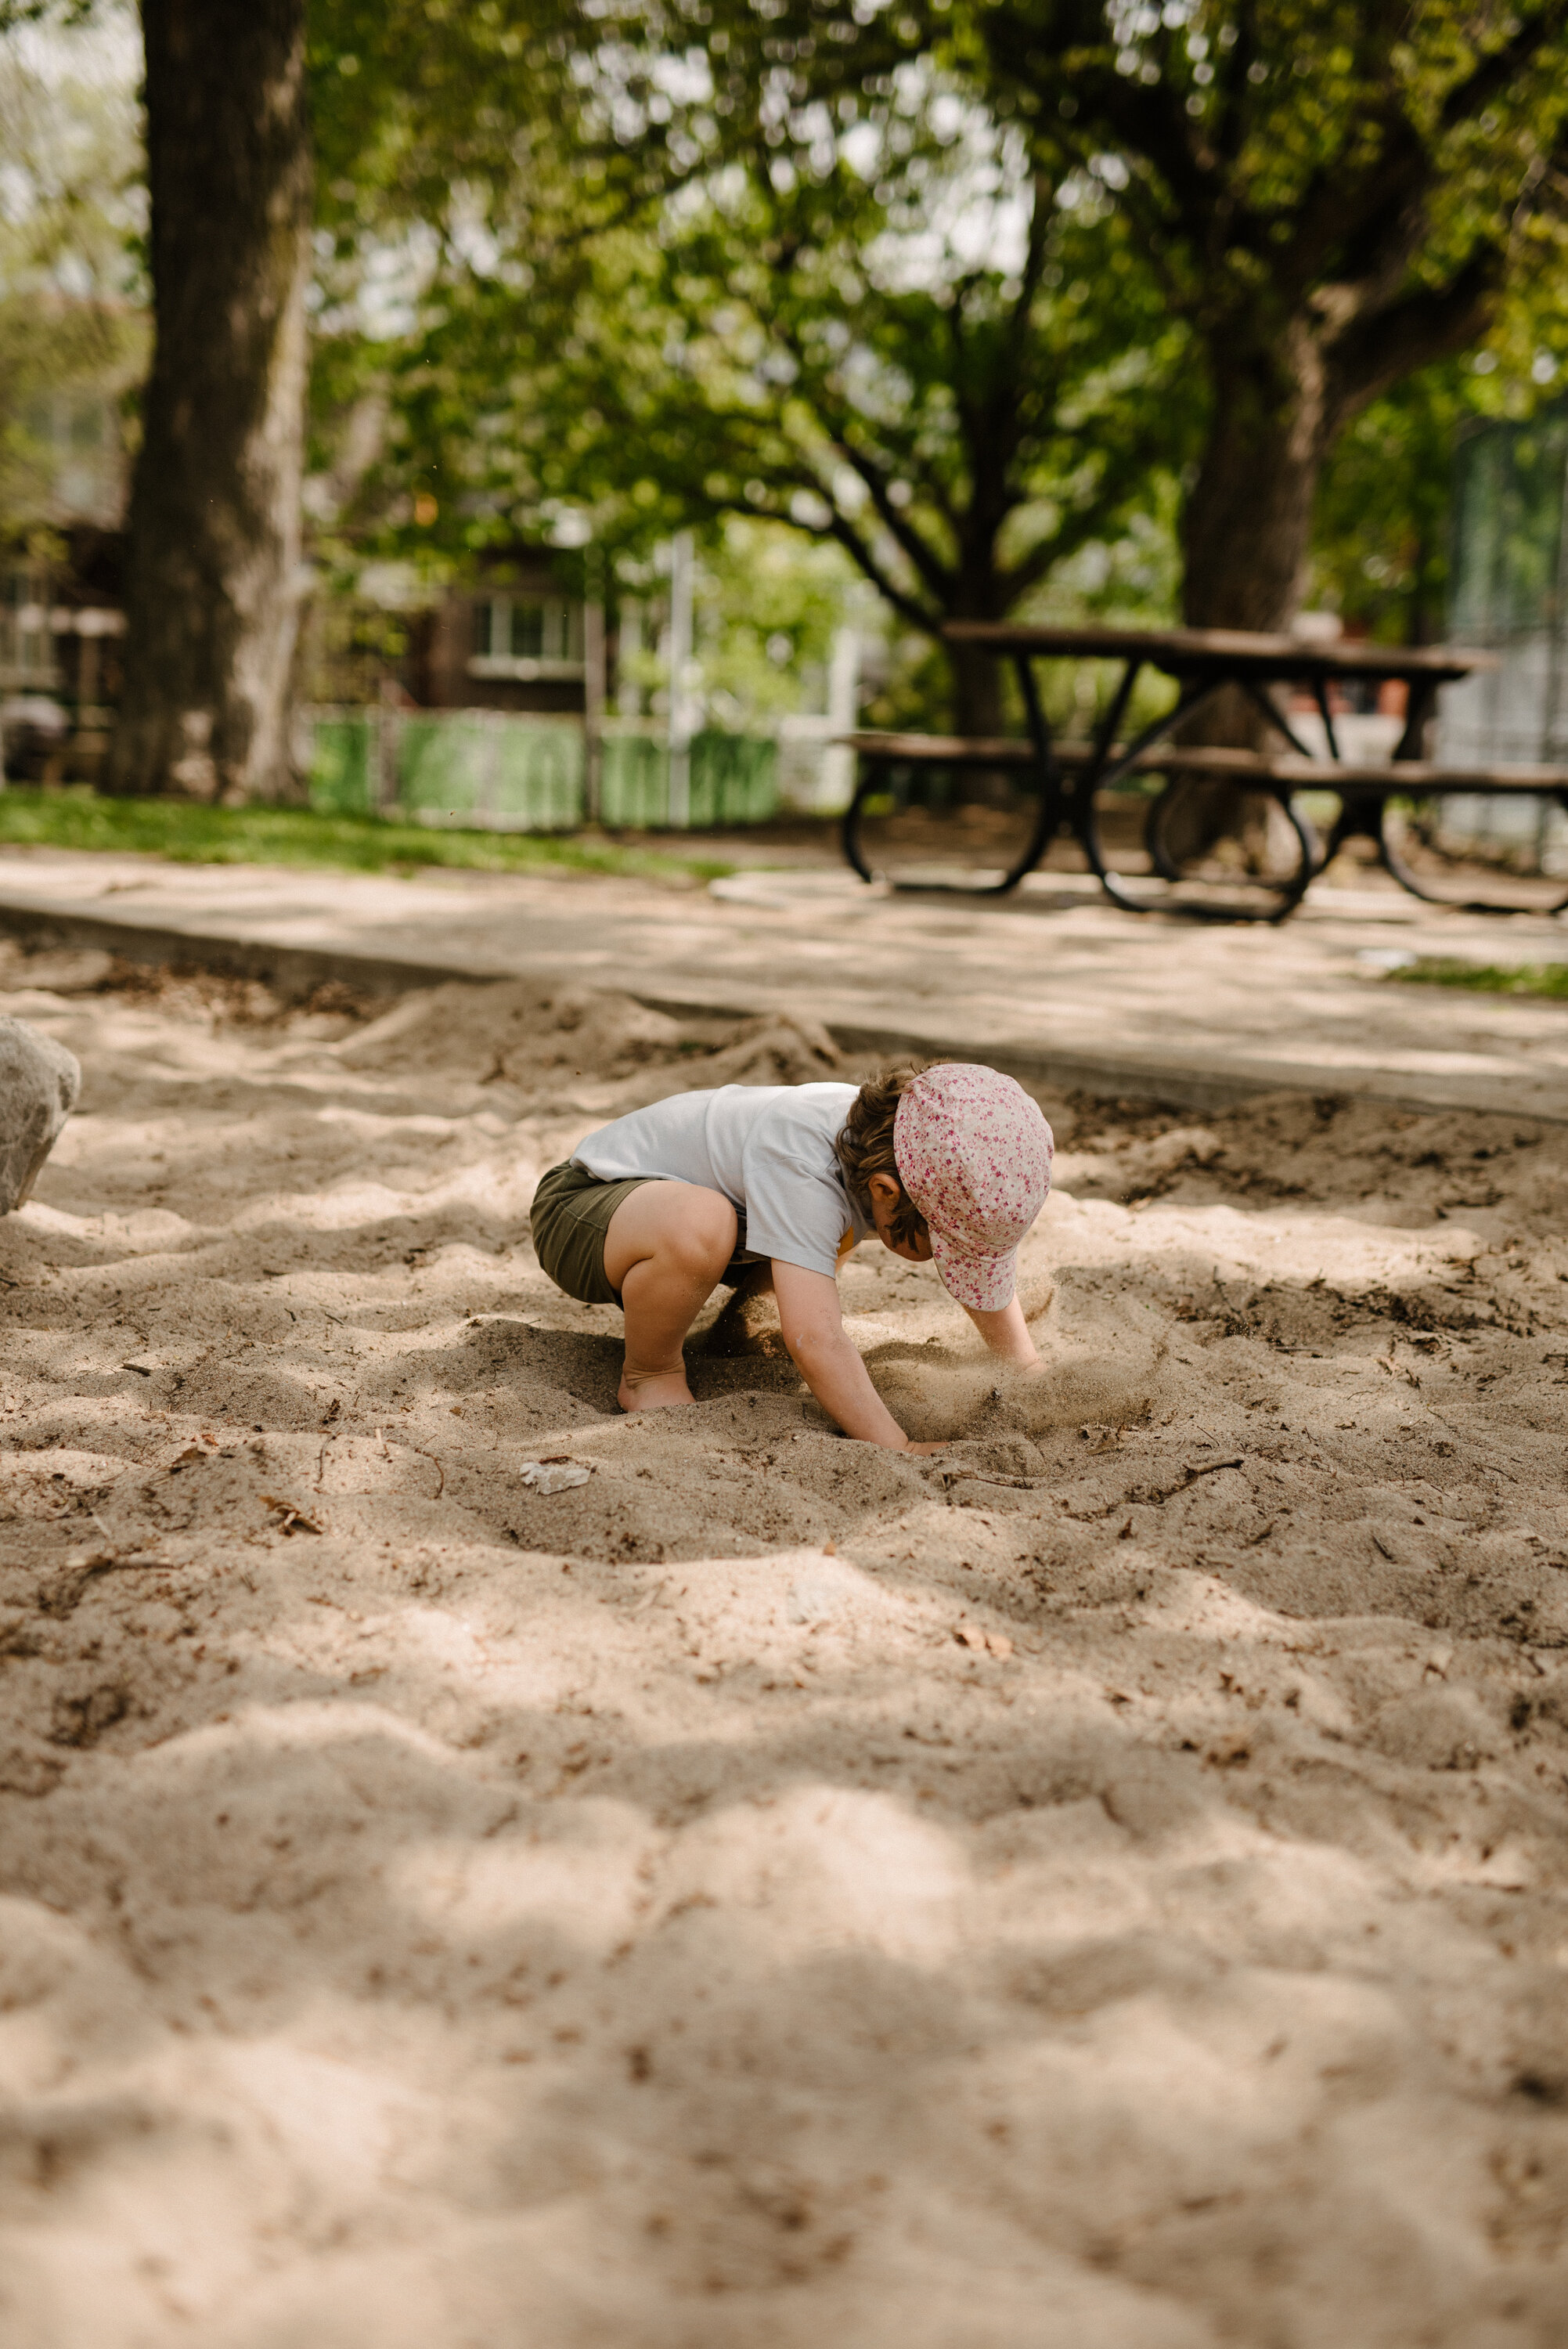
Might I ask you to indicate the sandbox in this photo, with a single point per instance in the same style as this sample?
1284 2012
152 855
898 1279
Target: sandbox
1104 1887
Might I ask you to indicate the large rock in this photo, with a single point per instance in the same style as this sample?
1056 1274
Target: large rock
40 1081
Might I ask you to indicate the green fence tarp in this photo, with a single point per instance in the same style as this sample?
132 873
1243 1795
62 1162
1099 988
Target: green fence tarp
734 779
634 782
521 774
494 775
342 779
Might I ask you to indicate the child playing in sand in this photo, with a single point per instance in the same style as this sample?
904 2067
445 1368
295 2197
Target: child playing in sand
948 1165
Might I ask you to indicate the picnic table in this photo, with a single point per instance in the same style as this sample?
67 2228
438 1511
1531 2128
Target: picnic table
1260 862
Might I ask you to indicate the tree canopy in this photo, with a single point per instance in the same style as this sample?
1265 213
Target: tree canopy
956 286
967 291
1334 193
887 322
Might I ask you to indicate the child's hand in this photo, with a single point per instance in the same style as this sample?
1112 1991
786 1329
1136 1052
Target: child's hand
924 1451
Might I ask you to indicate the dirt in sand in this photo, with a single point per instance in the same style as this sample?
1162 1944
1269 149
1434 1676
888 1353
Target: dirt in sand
1106 1884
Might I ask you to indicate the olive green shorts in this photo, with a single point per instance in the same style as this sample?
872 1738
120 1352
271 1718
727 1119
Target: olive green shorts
571 1215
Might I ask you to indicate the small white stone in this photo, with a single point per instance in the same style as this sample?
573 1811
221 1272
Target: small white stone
553 1475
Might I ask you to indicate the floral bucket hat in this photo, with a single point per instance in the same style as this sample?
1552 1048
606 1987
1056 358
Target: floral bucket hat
974 1153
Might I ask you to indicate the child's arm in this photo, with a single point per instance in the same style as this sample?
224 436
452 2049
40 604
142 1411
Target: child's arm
831 1366
1006 1333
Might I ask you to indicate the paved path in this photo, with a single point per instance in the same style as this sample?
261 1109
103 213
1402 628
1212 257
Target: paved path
1052 982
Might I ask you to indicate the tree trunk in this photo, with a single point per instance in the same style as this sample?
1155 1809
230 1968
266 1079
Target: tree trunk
1247 538
1247 530
976 690
214 555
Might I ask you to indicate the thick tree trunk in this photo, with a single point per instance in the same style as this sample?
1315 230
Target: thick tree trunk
1247 538
214 558
976 690
1247 529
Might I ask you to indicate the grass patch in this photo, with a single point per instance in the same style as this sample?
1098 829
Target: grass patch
76 817
1549 979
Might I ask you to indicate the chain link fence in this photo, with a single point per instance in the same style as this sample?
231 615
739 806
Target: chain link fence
1507 594
1508 591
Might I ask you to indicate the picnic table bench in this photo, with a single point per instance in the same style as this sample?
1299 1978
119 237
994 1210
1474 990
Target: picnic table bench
1062 783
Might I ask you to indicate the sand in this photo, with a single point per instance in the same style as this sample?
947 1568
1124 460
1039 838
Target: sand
1104 1887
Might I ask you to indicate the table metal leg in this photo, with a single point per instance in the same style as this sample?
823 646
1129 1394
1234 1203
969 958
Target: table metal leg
1396 863
869 777
1371 818
1085 813
1047 769
1287 893
1320 695
1190 701
878 777
1276 718
1288 890
1420 701
1412 744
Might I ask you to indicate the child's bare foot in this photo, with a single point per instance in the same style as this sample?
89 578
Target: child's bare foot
653 1389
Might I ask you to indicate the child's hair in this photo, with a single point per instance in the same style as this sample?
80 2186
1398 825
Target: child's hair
865 1145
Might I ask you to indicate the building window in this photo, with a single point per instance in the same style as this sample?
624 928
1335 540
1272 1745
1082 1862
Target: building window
27 656
527 636
76 440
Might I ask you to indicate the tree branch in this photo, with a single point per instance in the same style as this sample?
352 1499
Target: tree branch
1496 71
926 564
1378 350
862 553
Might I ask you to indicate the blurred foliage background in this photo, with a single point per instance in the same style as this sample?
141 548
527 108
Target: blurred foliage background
898 308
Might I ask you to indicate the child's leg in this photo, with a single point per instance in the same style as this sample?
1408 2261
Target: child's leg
665 1251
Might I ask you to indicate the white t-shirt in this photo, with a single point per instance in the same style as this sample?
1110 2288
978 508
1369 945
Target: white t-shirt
768 1148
